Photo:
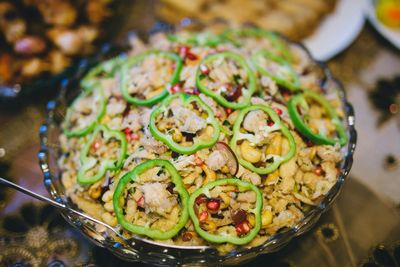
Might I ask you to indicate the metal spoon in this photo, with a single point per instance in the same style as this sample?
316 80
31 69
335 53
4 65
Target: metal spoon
56 204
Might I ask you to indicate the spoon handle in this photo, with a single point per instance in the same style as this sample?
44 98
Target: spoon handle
32 194
53 203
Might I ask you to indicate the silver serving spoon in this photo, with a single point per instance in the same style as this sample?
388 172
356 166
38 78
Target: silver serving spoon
56 204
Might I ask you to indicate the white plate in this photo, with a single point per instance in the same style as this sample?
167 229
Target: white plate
391 35
337 30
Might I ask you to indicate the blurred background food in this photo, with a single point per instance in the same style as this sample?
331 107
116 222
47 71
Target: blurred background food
296 19
388 12
44 37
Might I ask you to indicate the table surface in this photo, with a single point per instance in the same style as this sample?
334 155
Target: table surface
366 213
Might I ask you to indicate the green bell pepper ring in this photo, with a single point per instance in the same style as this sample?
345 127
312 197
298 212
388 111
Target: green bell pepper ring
88 162
246 92
215 238
125 77
202 39
291 82
167 138
277 42
301 125
107 69
277 125
179 188
69 130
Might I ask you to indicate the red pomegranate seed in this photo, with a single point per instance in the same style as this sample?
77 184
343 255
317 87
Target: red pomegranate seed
278 111
176 88
270 123
203 216
213 204
204 69
134 136
183 50
228 111
140 202
191 56
96 145
238 216
242 228
187 236
310 143
201 199
127 131
196 91
318 171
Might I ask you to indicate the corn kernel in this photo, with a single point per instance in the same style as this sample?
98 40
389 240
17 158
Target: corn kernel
225 169
177 136
266 218
251 219
209 225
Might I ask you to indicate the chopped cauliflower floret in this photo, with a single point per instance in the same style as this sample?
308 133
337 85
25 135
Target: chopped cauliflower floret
253 120
216 160
157 198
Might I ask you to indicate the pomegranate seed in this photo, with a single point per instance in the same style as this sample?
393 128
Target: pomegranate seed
96 145
310 143
203 216
318 171
204 70
228 111
183 51
187 236
135 136
201 199
176 88
270 123
218 114
191 56
140 202
127 131
238 216
213 204
278 111
242 228
196 91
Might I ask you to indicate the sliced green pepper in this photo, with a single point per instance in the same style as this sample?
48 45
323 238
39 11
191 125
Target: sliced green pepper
320 139
105 69
88 162
246 93
281 47
132 176
201 39
290 80
71 128
277 125
222 238
187 101
125 77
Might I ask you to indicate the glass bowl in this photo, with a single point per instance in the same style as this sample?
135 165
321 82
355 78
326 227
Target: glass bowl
150 252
